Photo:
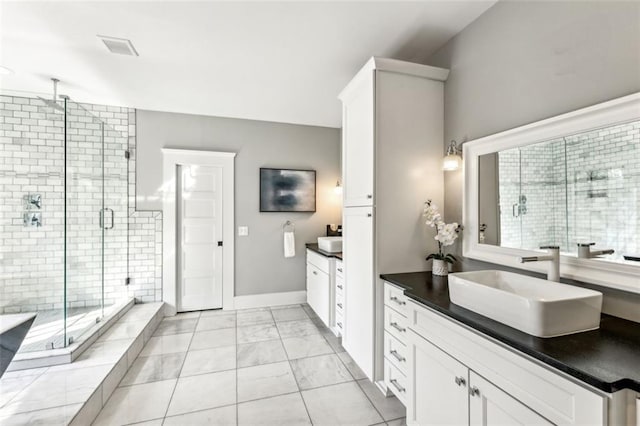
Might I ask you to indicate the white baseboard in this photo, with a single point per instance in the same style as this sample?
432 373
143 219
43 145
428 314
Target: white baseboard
270 299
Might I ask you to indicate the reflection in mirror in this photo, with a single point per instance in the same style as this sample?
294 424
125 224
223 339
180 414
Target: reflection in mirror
578 189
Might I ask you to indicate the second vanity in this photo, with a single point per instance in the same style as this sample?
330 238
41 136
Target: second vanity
450 365
325 286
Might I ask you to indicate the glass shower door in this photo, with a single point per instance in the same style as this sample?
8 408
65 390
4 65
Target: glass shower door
87 219
116 208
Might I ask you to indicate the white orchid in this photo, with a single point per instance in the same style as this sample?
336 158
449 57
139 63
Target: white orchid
432 214
446 233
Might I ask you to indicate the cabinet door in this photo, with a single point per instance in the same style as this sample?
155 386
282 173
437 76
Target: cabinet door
359 286
489 405
318 292
358 144
438 392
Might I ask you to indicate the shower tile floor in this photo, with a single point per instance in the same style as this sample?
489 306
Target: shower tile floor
48 327
274 366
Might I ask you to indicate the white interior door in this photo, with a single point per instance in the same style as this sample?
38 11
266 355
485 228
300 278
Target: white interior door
199 216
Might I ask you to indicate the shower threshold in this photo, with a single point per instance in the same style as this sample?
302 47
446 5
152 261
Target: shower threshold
46 332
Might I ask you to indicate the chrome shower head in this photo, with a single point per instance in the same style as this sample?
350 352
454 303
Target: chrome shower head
53 102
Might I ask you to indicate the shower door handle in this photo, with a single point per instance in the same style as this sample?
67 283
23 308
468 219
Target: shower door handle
112 218
101 216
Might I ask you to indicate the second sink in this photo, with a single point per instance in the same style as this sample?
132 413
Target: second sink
330 244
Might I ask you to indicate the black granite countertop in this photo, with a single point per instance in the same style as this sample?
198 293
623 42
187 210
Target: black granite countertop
314 247
607 358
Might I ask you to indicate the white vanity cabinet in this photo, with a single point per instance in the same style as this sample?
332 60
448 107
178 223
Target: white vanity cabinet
456 376
320 278
392 147
445 391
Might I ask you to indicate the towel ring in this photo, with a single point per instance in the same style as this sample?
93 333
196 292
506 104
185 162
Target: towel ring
288 226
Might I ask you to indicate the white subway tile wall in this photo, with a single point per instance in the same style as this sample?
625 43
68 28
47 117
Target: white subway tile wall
581 188
32 162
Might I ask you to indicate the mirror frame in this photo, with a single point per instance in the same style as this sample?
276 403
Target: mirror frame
624 275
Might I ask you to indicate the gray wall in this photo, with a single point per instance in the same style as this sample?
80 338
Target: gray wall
522 62
260 266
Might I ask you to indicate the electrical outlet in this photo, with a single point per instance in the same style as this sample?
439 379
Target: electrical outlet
243 231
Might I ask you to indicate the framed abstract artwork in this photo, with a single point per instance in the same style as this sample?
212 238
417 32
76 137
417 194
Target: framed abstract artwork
287 190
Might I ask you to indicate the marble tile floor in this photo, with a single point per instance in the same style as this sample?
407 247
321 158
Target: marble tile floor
268 366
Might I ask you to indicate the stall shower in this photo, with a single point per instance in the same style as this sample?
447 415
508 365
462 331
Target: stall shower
63 217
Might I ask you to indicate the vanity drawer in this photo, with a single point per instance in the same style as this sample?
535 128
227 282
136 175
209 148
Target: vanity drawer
395 324
395 299
396 352
340 305
318 261
339 284
396 381
339 322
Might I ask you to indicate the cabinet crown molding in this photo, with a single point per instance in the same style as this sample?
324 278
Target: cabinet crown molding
397 66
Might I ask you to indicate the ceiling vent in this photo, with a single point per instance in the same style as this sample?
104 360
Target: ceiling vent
121 46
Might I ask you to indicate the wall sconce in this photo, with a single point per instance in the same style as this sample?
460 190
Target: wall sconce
453 159
338 188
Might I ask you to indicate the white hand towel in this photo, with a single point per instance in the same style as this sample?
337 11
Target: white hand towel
289 244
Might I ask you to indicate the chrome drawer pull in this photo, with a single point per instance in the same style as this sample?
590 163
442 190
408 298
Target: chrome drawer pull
394 382
369 196
339 286
339 324
340 305
315 273
397 327
397 356
398 301
460 381
473 391
339 269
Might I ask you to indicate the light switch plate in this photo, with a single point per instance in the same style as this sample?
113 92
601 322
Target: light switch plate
243 231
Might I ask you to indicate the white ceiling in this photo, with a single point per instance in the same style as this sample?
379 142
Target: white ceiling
283 62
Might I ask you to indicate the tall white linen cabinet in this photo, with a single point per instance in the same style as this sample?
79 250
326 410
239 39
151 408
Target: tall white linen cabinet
392 150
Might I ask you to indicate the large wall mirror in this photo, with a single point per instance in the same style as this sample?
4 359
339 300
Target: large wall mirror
572 181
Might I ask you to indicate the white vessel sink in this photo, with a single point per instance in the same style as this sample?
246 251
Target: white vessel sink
538 307
330 244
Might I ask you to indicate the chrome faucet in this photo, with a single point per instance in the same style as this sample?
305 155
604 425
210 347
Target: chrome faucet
585 252
553 257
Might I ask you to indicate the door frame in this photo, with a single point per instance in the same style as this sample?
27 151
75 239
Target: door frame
171 159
